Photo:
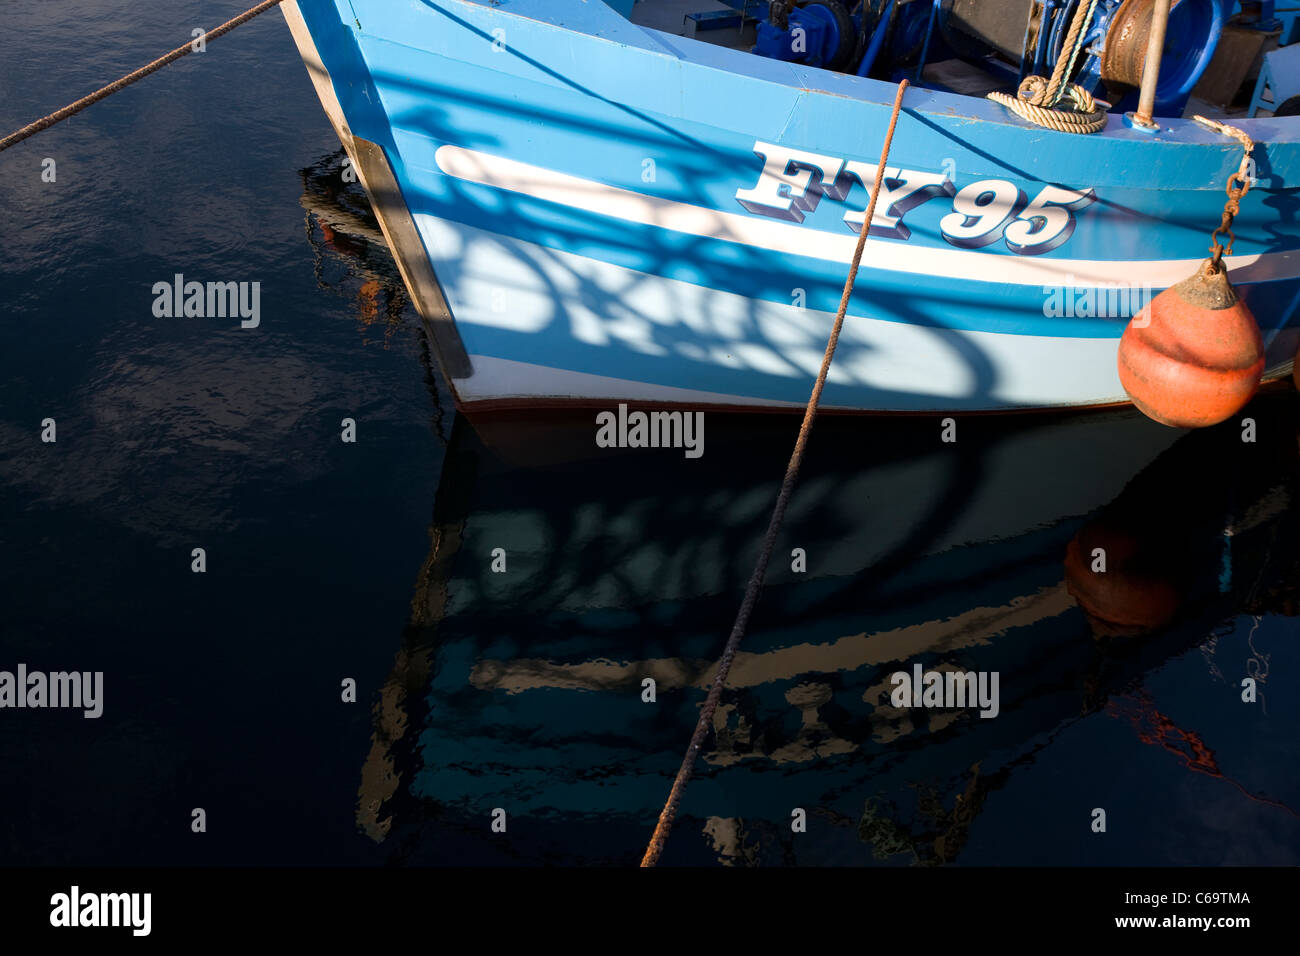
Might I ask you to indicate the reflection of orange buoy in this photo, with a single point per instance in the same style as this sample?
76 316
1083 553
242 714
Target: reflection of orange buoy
1193 356
1123 600
369 296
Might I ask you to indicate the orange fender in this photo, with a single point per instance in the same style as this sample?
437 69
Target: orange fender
1193 357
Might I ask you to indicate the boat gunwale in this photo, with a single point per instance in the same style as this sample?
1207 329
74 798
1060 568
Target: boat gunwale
1175 131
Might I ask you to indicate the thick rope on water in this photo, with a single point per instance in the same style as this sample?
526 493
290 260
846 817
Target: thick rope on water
45 122
1038 100
666 817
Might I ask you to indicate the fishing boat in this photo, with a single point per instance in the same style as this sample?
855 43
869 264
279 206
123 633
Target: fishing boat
589 208
519 687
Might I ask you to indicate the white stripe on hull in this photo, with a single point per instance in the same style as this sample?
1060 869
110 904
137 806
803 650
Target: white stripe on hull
630 206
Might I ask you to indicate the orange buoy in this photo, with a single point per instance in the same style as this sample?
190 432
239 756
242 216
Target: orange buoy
1193 356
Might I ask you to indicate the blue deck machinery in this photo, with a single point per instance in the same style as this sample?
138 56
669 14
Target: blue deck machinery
890 39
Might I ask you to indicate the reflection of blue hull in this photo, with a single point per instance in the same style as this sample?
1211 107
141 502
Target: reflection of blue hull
573 179
523 690
532 697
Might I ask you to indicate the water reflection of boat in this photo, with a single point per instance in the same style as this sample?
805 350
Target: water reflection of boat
523 690
341 229
1182 528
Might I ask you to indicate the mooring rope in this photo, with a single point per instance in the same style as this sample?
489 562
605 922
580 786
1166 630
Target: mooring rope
45 122
662 828
1038 99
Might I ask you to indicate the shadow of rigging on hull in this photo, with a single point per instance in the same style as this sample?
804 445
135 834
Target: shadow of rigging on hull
616 317
678 343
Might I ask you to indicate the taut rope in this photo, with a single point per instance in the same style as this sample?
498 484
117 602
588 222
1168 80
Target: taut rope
662 828
45 122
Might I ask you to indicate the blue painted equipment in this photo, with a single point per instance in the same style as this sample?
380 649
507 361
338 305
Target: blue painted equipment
1113 48
911 42
1190 41
817 34
1031 33
877 40
1259 15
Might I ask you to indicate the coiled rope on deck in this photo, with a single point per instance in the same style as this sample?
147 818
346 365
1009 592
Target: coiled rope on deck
666 817
45 122
1038 100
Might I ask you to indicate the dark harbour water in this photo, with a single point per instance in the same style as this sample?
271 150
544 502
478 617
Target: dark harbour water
522 690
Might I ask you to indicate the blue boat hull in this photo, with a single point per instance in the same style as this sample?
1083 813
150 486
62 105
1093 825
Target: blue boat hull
615 214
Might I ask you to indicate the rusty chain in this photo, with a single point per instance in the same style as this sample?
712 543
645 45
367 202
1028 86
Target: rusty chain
1239 182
